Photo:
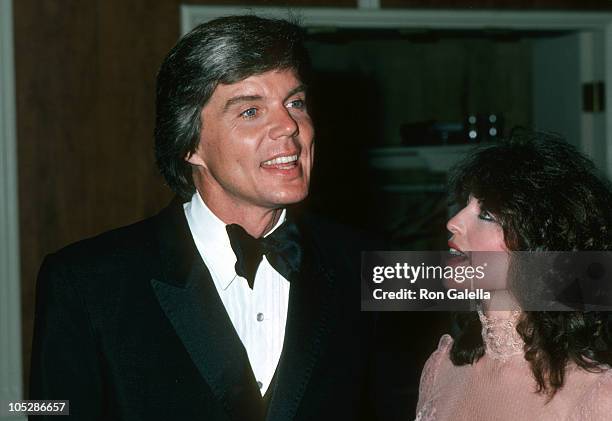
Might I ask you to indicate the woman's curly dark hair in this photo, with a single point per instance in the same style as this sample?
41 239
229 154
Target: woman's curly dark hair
546 197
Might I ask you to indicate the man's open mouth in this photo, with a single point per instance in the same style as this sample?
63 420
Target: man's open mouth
286 162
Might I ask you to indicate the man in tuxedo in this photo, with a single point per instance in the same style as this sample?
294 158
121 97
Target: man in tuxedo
227 305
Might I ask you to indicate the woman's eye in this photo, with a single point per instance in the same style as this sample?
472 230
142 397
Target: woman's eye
250 113
486 216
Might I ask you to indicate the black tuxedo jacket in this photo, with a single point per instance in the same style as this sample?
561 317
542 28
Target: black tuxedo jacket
129 326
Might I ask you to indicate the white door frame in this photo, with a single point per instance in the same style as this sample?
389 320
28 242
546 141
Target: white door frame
369 16
10 299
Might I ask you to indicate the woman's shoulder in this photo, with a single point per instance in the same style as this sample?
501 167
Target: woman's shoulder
601 389
435 359
596 403
442 352
430 372
602 384
445 343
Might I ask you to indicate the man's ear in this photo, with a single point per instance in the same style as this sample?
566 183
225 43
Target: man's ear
194 158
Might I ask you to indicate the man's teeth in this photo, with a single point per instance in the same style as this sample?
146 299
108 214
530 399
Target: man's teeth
455 252
281 160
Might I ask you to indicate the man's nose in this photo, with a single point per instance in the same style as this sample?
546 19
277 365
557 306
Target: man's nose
283 124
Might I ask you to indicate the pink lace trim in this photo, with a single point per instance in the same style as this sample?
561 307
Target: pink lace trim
500 337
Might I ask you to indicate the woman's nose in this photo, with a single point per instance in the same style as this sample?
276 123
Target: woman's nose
455 224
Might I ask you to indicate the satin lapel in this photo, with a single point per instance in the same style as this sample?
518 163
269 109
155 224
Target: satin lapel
305 337
189 299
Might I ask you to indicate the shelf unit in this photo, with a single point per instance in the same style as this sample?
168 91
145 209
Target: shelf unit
583 57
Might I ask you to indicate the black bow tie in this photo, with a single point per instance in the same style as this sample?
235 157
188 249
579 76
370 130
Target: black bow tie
282 249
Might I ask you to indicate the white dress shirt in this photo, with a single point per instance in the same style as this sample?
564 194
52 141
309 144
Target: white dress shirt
258 315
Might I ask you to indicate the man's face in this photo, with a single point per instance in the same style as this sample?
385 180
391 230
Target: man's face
256 143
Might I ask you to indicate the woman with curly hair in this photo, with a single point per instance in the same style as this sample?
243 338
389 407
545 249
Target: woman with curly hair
533 192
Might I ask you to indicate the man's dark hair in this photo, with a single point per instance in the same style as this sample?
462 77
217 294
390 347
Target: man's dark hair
546 196
223 51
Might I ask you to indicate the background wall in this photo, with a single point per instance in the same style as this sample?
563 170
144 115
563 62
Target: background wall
85 84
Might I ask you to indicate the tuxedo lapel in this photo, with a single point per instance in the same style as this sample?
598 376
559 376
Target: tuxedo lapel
305 335
187 295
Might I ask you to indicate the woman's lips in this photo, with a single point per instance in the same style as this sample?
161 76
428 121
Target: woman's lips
454 249
456 256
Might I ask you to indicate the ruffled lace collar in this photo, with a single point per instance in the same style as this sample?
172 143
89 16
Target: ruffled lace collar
500 337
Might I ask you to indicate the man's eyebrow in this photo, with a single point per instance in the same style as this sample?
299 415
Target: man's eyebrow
240 98
246 98
297 89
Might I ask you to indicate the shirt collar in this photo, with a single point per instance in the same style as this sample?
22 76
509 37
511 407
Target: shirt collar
212 241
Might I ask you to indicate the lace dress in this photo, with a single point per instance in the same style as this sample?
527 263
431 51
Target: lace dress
501 387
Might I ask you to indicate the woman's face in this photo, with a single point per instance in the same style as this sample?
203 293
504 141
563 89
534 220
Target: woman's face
477 233
474 229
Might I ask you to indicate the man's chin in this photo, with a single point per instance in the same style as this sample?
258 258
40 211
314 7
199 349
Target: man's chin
284 198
